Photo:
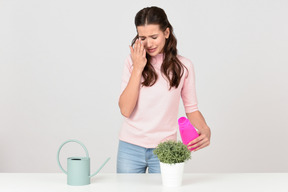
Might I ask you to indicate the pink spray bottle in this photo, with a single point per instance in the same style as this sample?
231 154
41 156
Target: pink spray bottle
187 131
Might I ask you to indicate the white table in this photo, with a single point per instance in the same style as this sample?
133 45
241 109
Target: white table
234 182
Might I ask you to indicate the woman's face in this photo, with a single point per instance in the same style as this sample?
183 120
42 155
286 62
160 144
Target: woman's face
153 38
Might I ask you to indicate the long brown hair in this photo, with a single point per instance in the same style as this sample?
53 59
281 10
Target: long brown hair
171 67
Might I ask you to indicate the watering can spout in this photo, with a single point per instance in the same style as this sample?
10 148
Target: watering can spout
100 168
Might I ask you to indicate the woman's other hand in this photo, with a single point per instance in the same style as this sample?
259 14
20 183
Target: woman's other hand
202 141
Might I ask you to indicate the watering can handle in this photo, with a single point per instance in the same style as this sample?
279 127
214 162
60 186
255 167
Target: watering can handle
71 140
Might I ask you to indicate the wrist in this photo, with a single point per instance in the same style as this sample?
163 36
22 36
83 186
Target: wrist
205 127
137 70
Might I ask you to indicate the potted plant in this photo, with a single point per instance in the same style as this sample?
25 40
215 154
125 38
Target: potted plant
172 156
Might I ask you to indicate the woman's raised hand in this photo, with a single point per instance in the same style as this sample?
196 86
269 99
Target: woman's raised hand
138 55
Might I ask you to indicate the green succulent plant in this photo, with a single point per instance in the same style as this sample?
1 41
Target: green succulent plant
172 152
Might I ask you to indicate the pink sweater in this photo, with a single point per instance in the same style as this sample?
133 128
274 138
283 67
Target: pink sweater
154 118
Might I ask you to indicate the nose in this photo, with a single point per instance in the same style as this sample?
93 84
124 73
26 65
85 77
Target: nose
147 43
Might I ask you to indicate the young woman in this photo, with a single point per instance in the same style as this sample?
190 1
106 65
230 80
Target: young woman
154 79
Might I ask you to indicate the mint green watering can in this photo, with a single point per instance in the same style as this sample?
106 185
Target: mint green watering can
78 168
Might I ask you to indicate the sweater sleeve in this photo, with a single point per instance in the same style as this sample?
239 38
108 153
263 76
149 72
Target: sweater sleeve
127 70
188 92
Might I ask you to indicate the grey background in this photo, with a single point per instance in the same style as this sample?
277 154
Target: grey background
61 64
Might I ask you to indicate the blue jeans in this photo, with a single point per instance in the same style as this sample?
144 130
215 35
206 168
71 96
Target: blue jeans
135 159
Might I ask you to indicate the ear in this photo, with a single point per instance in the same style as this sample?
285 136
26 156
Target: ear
167 33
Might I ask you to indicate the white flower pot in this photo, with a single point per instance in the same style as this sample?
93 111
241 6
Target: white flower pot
172 174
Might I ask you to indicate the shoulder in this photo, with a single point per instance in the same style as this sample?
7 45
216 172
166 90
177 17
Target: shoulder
186 62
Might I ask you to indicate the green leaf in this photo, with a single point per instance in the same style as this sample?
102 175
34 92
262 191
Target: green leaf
172 152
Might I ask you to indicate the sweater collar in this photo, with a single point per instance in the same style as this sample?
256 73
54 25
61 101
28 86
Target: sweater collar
157 58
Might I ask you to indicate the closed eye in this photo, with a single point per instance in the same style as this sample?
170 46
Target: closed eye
143 38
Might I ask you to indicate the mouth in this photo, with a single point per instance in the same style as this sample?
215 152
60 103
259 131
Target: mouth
151 50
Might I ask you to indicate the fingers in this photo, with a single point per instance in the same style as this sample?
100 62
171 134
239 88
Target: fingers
141 46
144 53
199 143
196 145
134 48
131 50
204 144
142 49
196 140
138 48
